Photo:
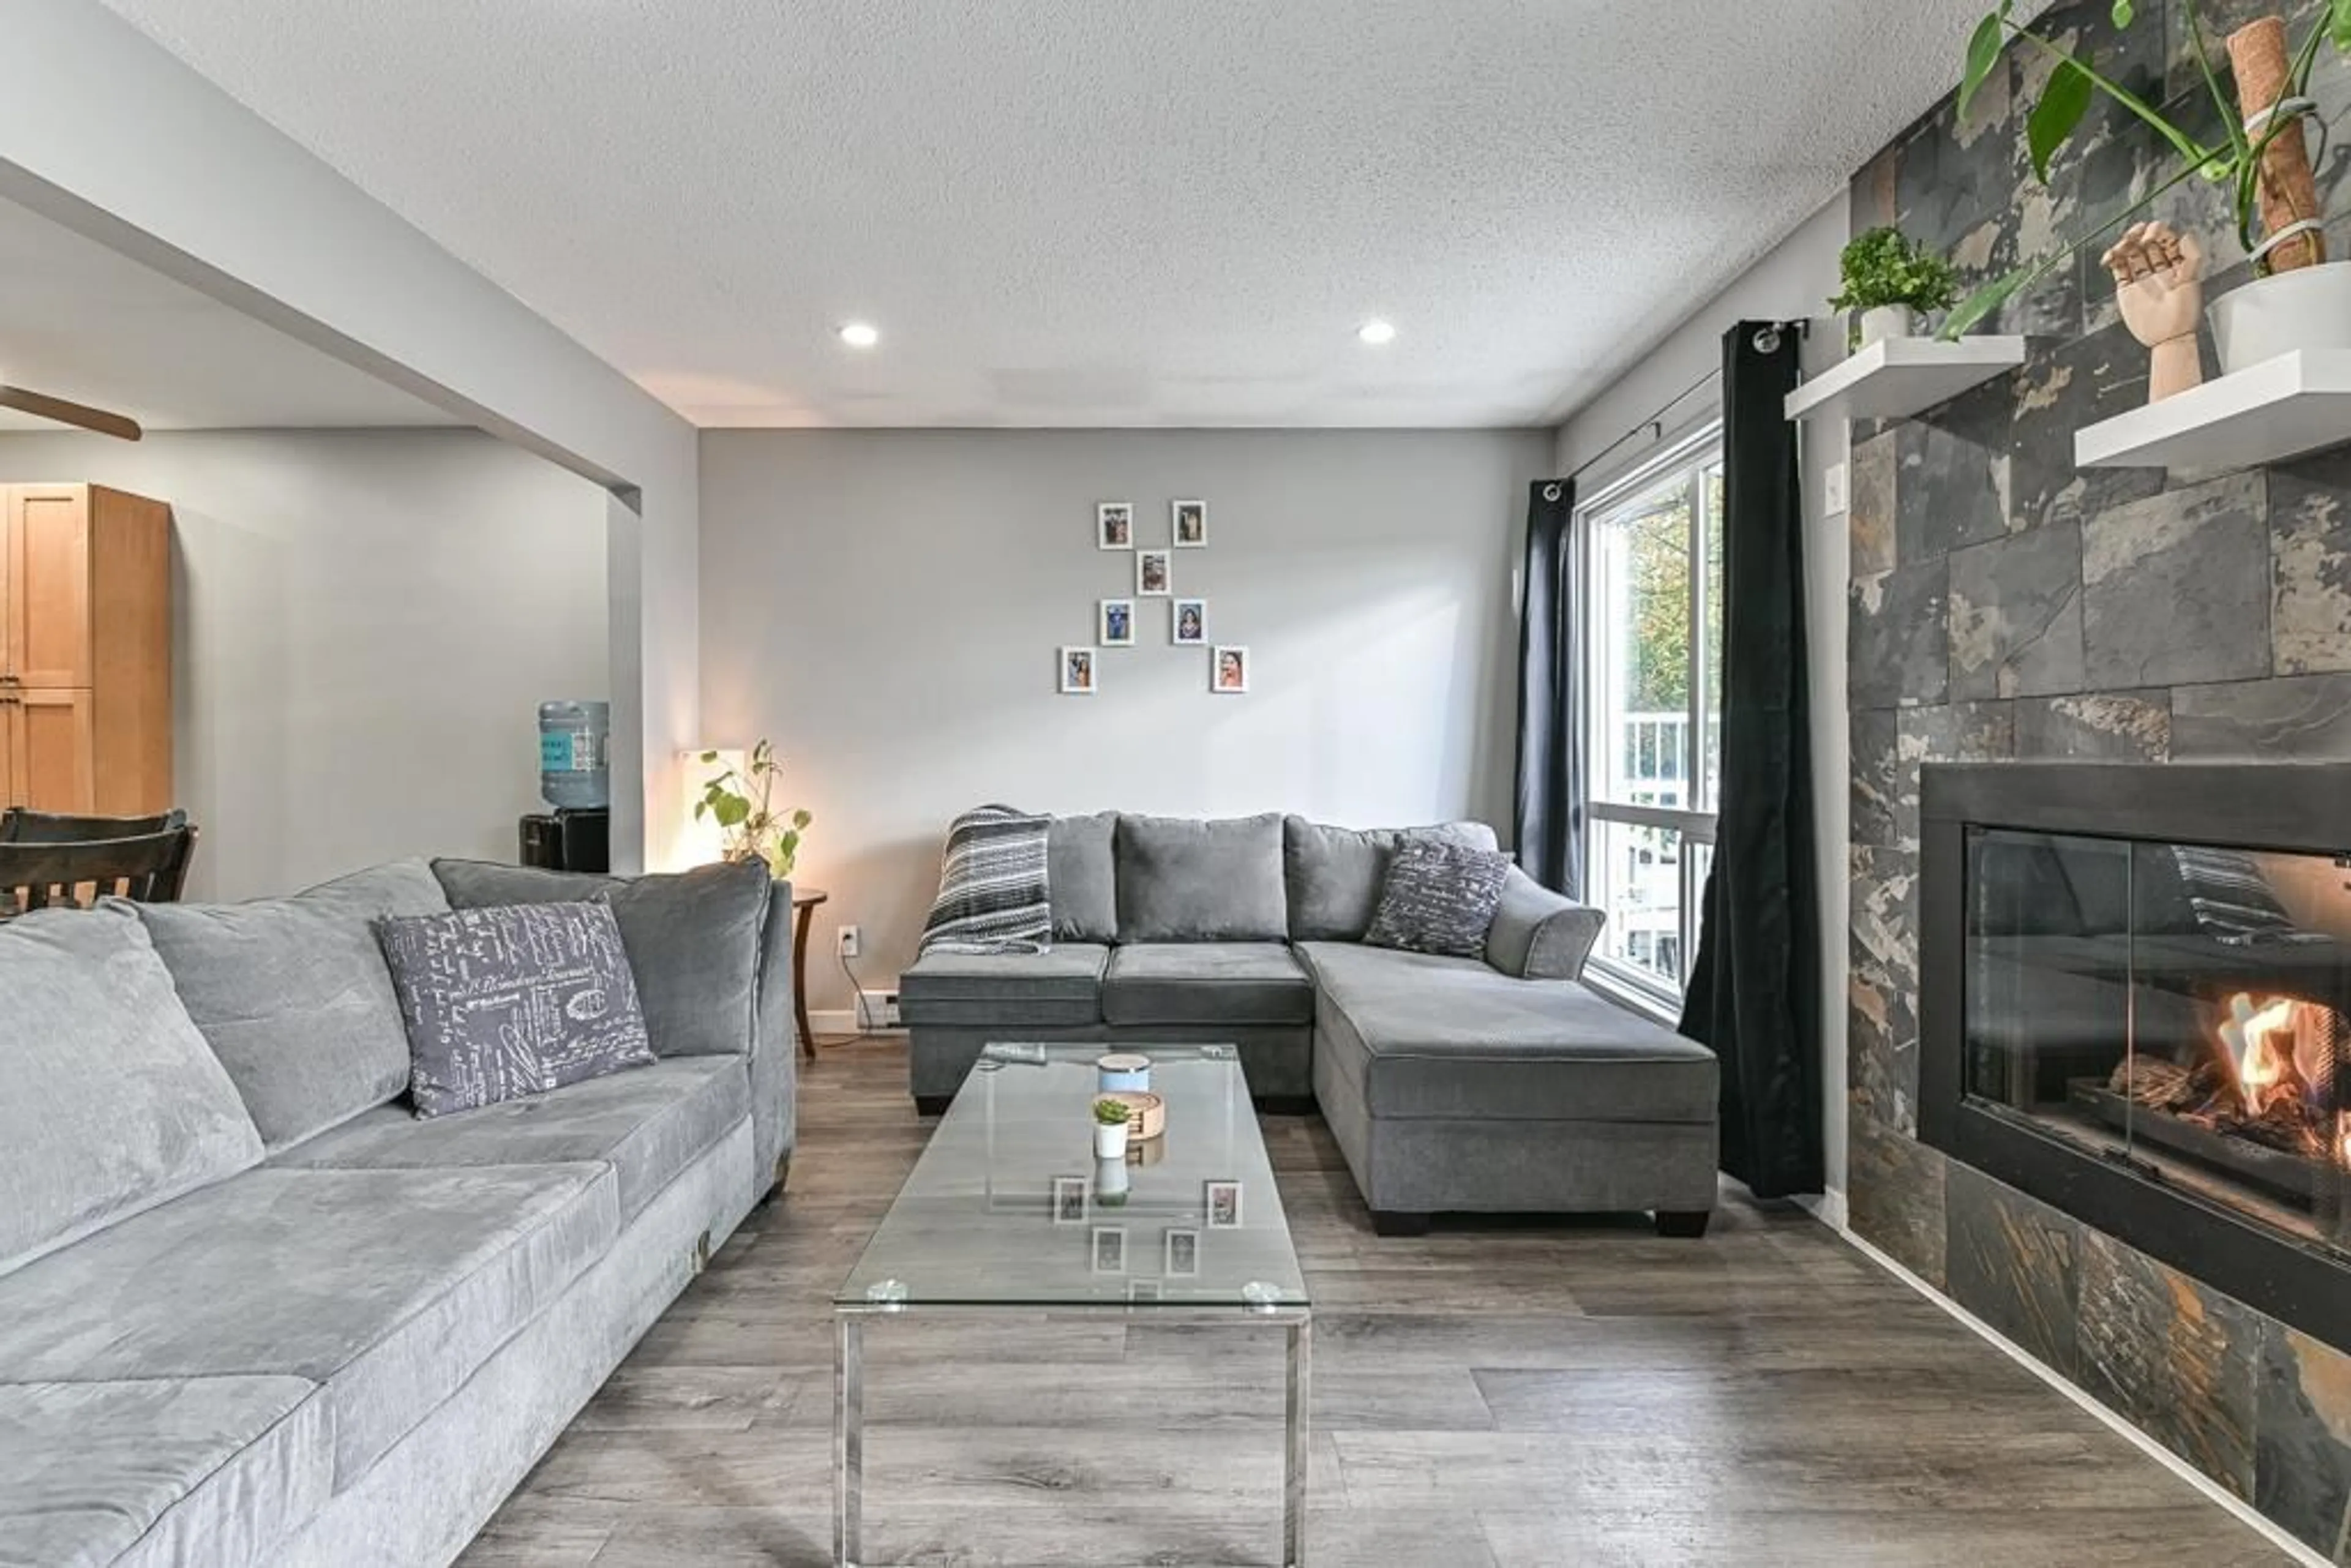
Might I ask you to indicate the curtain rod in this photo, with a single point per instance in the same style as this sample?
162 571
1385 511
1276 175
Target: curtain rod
1767 342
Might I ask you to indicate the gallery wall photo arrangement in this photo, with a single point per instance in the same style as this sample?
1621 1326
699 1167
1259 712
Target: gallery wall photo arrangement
1078 666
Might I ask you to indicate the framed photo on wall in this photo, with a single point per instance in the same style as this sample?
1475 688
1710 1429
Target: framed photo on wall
1073 1199
1188 524
1222 1199
1077 672
1228 671
1113 526
1187 624
1114 625
1154 573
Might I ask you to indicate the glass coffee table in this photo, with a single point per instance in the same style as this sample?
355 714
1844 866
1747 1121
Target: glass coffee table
1008 1211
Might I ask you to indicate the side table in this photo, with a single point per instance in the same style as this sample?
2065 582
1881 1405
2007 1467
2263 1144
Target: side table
804 902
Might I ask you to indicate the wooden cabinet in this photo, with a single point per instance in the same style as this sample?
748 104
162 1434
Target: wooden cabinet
84 651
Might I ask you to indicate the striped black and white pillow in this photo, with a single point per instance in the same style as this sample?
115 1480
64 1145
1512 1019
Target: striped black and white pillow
1440 897
995 894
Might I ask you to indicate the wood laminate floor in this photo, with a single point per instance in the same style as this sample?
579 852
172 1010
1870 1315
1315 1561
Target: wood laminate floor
1489 1399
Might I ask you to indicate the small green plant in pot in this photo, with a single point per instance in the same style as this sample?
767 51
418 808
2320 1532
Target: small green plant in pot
741 801
1112 1120
1890 281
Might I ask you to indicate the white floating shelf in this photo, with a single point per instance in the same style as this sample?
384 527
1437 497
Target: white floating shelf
2278 409
1898 377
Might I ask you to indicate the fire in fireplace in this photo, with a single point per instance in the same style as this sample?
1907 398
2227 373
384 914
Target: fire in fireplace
2135 1013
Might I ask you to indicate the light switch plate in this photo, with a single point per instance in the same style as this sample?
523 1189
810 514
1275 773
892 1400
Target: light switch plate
1833 498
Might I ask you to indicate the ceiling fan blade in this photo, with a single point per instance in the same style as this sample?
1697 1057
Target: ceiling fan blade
64 412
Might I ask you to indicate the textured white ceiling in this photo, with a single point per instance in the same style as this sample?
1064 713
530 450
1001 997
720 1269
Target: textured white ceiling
1094 212
81 322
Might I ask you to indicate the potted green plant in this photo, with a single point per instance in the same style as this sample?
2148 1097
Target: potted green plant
1890 281
741 803
2297 298
1112 1120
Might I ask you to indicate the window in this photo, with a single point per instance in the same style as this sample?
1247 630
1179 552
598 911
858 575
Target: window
1652 666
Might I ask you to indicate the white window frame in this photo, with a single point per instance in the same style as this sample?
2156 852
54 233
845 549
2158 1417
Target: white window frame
1629 984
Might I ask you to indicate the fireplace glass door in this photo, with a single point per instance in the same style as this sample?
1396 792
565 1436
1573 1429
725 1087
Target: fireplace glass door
2178 1008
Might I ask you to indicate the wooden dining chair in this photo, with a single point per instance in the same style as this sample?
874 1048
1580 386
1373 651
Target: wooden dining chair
151 868
22 825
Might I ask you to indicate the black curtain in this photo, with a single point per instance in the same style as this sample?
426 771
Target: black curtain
1547 823
1754 994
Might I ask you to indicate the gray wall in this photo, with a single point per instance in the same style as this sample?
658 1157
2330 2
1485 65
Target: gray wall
204 190
364 623
1794 282
886 606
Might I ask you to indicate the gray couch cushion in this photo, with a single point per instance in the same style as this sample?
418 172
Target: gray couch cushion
113 1102
1538 934
1333 876
161 1472
648 1125
1181 880
1207 983
511 1002
392 1288
1082 876
293 995
693 939
1424 1036
1061 986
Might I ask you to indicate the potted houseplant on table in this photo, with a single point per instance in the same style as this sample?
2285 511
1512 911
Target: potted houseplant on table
740 800
1890 281
2297 298
1111 1120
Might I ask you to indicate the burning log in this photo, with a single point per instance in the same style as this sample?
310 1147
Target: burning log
2289 194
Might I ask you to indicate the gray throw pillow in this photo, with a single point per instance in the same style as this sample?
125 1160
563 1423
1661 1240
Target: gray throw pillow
1440 898
506 1002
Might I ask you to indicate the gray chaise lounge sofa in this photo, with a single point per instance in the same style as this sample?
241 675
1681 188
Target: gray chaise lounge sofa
274 1318
1450 1084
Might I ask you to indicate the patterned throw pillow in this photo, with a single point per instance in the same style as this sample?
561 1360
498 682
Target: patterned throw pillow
1440 897
506 1002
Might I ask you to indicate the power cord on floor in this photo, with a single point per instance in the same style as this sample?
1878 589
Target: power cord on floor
865 1030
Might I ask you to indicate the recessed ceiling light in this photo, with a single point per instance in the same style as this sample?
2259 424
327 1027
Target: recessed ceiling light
860 334
1376 332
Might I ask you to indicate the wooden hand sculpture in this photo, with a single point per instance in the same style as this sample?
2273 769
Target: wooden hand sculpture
2158 281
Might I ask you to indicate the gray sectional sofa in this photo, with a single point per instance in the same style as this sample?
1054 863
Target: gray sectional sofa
252 1310
1450 1084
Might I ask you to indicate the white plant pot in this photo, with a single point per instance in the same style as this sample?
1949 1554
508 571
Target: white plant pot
1880 322
1110 1143
2309 308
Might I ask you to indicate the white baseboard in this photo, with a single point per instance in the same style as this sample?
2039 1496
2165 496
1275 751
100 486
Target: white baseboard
2244 1511
1828 1208
843 1021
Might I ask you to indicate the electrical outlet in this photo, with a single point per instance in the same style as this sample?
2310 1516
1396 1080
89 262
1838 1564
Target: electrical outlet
851 941
1834 486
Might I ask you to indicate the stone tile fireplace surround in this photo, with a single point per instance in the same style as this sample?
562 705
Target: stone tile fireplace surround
2005 606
